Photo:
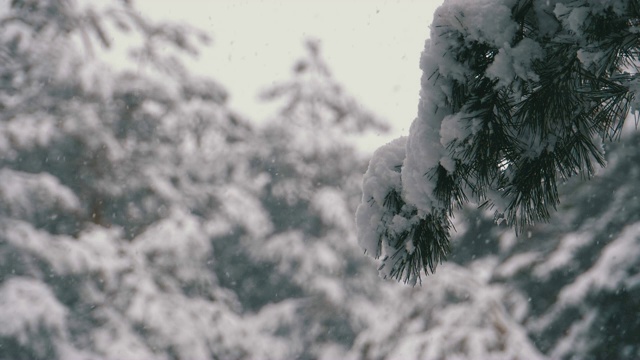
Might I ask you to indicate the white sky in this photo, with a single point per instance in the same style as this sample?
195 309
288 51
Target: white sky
372 46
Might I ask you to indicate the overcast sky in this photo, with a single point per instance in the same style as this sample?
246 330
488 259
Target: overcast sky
372 47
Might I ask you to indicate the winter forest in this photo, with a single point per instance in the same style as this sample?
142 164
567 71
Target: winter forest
142 217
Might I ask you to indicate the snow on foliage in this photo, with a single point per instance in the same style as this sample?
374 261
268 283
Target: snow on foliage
612 270
383 173
112 215
28 194
29 308
516 97
459 316
383 220
140 217
577 271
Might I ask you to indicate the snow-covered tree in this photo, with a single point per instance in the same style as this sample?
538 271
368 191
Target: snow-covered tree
573 280
580 270
460 315
114 186
517 96
304 276
140 217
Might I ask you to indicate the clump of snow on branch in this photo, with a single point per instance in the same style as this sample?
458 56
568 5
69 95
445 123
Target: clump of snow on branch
27 308
383 219
27 194
382 176
512 62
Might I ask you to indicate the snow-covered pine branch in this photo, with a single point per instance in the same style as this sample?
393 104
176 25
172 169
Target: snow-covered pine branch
517 96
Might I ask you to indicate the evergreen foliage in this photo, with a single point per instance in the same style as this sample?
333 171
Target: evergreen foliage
510 108
311 189
140 217
107 213
579 270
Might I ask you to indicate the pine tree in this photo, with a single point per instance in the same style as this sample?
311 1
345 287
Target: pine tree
305 276
579 270
115 187
517 97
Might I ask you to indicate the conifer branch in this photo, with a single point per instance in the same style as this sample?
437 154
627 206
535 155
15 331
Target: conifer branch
517 137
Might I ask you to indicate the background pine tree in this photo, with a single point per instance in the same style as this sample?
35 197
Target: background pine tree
107 211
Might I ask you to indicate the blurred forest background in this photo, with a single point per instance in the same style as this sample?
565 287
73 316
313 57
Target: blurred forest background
142 218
